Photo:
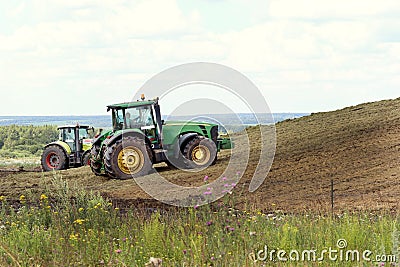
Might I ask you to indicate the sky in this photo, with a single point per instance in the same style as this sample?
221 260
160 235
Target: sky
63 57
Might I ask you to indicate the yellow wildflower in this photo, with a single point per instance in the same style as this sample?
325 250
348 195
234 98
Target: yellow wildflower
43 197
79 221
73 236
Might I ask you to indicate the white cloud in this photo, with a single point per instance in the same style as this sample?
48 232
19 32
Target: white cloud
311 50
323 9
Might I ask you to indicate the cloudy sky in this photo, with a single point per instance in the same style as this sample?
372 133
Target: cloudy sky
63 57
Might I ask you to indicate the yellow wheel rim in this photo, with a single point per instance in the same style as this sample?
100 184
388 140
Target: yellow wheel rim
130 160
201 155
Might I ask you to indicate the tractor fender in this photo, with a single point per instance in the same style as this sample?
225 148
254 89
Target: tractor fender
130 132
61 144
97 141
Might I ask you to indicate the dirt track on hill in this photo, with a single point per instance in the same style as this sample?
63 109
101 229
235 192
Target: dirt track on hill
358 147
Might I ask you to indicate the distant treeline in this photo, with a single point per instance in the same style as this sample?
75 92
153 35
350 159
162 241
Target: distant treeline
104 121
18 141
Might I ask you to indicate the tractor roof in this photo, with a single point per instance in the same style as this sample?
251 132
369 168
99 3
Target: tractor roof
131 104
73 126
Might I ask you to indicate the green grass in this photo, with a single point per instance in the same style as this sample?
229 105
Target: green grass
66 226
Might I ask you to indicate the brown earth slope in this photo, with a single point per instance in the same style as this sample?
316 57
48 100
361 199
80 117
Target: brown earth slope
358 147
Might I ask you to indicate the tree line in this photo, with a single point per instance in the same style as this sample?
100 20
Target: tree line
18 141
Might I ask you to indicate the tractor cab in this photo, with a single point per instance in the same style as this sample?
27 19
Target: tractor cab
141 115
76 136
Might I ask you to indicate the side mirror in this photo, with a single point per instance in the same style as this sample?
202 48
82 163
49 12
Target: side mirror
162 122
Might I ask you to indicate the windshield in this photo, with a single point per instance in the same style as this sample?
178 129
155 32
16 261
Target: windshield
67 135
133 117
86 133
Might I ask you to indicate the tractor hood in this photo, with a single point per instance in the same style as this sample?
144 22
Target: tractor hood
188 123
172 130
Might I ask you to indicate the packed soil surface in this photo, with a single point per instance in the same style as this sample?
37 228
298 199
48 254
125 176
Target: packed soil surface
356 148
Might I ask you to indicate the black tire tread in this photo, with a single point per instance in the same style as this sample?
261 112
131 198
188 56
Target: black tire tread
195 142
109 155
57 149
93 154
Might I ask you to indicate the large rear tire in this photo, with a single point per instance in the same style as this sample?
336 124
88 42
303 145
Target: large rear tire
200 152
53 158
128 158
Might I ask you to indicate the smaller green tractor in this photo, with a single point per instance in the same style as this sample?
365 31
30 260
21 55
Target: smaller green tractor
140 138
72 149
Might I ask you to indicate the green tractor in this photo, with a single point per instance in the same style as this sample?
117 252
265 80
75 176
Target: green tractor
140 138
72 149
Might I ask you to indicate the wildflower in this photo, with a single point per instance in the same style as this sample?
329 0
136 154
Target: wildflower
212 258
229 228
80 209
226 185
73 236
2 198
43 197
233 184
118 251
79 221
209 223
253 233
224 178
238 173
206 178
196 207
22 199
207 193
184 252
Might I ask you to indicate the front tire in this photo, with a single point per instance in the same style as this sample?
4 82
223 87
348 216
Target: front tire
95 166
201 152
128 158
53 158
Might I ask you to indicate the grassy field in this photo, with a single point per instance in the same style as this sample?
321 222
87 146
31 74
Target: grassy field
67 226
74 218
